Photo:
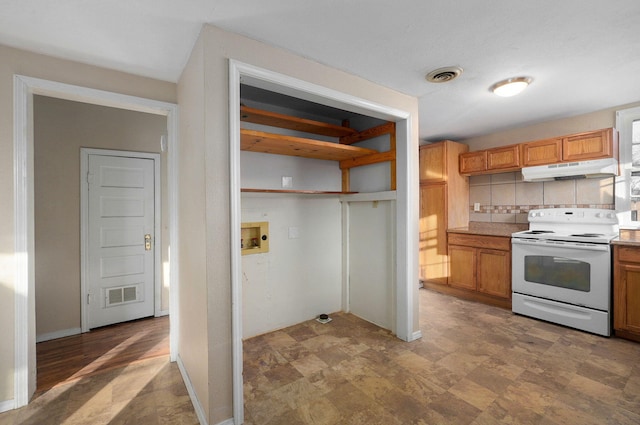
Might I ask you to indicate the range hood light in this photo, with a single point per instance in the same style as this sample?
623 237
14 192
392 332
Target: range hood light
511 86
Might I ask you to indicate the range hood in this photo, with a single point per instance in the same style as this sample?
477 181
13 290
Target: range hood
592 168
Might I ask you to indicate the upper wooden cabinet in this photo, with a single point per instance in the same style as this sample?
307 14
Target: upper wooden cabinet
591 145
473 162
503 158
541 152
433 163
496 160
575 147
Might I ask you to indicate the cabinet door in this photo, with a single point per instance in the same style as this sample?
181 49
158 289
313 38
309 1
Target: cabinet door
433 166
541 152
462 267
433 233
494 272
626 289
592 145
473 162
507 157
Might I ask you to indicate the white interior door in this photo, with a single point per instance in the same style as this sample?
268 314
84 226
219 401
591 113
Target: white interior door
121 240
371 261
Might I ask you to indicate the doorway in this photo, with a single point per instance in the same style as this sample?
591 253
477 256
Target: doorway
25 322
121 236
406 208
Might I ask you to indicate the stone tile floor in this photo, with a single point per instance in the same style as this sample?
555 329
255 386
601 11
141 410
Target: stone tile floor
475 364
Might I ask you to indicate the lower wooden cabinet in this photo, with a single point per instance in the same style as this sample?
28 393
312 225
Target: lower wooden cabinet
626 292
481 264
462 262
494 272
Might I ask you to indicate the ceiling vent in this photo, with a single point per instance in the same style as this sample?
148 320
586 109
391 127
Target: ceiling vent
444 75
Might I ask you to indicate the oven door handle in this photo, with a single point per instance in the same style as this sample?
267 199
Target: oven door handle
551 244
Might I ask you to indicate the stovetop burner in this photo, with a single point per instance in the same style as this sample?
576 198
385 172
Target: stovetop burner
582 225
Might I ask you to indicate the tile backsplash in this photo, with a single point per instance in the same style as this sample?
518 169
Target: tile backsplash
505 198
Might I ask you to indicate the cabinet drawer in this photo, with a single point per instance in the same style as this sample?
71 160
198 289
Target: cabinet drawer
628 253
480 241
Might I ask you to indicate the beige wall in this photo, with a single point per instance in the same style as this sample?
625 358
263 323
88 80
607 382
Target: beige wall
61 128
205 148
13 61
192 226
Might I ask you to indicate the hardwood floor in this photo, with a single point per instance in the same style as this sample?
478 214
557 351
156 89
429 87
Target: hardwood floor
71 358
118 374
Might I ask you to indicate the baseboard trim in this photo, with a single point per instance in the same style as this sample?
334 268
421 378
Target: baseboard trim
7 405
227 422
162 313
415 335
192 393
468 294
58 334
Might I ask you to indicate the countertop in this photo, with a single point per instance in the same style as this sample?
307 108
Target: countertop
492 229
627 237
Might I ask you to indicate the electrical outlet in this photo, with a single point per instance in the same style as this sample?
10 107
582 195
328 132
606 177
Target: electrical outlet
476 206
287 182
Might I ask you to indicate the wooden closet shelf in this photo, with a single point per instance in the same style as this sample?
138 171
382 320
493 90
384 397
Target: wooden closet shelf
311 192
273 119
260 141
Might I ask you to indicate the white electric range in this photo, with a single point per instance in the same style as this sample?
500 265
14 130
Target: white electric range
561 267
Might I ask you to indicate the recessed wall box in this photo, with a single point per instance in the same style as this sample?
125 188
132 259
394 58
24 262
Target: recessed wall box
255 237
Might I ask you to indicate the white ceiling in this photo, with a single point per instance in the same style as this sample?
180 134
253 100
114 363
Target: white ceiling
584 55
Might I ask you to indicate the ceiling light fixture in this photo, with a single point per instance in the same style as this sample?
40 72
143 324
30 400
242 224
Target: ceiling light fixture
511 86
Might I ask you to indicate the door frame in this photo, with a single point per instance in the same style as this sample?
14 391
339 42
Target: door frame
84 227
24 88
406 205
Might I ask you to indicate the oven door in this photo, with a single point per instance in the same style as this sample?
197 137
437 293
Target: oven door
574 273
